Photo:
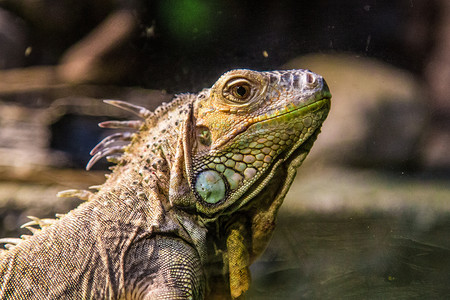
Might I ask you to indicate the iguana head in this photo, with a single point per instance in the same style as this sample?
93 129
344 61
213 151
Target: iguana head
213 152
242 129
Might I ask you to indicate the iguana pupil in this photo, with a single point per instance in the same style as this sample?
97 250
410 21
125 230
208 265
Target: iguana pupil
241 91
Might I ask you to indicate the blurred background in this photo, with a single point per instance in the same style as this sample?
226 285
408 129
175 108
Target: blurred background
368 215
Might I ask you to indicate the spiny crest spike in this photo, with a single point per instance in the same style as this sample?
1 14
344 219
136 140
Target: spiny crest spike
95 187
32 229
119 136
137 110
40 222
12 241
115 159
29 223
134 124
103 153
80 194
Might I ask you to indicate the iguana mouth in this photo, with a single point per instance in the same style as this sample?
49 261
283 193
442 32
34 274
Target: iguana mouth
309 108
285 113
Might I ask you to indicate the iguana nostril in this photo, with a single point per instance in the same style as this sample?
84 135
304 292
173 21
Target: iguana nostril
310 78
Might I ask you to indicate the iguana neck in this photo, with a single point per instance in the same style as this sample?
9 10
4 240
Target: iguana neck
148 159
147 169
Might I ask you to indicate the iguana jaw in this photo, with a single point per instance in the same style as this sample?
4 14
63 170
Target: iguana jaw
291 111
296 155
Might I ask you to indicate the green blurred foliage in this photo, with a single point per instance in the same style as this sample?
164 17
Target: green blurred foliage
188 19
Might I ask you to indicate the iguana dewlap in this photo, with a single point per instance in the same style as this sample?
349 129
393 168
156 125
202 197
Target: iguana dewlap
191 202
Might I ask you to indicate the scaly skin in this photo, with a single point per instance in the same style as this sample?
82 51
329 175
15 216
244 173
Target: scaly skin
191 202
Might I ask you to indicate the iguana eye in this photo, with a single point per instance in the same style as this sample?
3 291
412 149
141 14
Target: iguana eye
241 91
238 90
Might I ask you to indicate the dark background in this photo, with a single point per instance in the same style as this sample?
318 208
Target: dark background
368 215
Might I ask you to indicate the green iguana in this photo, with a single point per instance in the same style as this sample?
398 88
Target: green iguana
191 202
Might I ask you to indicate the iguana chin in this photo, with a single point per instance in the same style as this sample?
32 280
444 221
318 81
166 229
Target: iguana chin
191 202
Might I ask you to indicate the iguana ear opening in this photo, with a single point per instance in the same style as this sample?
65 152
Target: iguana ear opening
180 193
202 140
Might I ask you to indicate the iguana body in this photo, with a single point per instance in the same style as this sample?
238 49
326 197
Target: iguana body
191 203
